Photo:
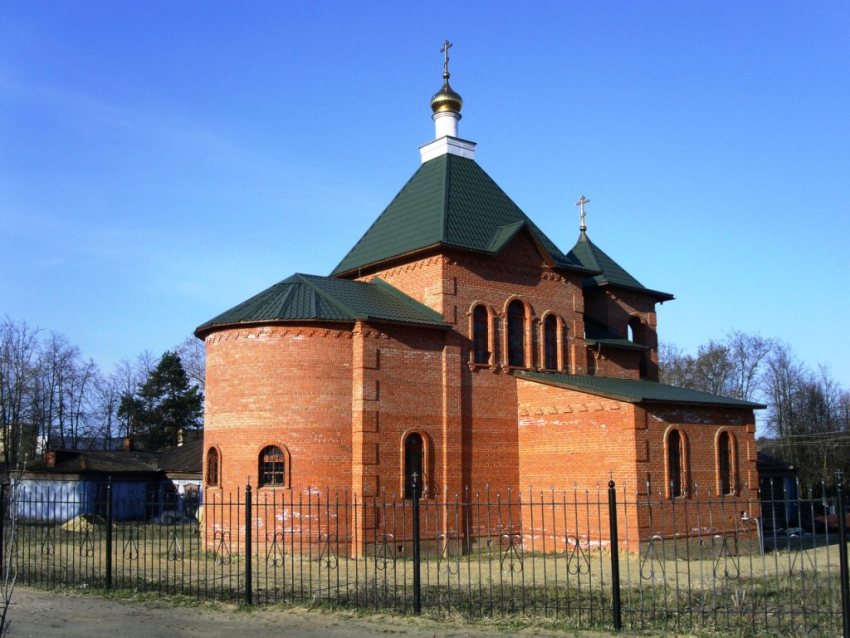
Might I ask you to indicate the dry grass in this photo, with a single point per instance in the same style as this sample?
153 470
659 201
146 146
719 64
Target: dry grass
709 585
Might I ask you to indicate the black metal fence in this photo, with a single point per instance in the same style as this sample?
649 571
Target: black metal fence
607 557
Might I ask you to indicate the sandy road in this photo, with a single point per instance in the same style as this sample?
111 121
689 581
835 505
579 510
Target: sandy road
41 614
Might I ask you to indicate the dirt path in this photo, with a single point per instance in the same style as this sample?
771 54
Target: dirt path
40 614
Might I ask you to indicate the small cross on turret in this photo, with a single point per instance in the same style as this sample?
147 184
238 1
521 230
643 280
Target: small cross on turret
445 51
580 203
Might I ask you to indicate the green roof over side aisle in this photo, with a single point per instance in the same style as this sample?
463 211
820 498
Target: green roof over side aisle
592 257
635 391
312 298
449 201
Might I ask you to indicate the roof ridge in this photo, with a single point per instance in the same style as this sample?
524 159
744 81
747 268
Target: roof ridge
405 298
634 390
444 218
286 295
610 272
328 297
378 218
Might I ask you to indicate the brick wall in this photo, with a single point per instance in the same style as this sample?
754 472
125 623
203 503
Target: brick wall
615 308
262 389
340 399
568 437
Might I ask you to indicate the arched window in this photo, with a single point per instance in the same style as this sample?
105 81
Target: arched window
212 467
633 330
635 335
726 463
414 455
550 342
516 334
481 335
272 466
676 463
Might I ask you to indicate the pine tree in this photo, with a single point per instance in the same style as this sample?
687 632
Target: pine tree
165 404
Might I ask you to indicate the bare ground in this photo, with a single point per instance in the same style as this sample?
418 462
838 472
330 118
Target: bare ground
50 614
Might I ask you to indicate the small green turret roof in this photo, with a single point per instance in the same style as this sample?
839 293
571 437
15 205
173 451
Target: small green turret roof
634 390
449 201
302 298
592 257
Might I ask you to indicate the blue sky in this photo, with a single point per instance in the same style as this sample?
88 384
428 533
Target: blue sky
162 161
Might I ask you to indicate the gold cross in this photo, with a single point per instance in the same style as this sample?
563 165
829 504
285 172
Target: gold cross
581 202
445 51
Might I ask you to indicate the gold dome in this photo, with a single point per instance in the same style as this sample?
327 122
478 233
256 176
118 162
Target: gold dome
446 99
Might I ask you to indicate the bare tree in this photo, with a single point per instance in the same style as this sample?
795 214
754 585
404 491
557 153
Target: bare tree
674 366
18 350
808 415
107 397
713 368
79 394
783 383
747 354
127 378
193 356
733 367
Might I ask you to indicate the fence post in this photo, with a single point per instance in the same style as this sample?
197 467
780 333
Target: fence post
615 556
249 580
417 600
109 533
842 553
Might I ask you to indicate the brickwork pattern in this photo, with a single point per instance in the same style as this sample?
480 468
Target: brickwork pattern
340 400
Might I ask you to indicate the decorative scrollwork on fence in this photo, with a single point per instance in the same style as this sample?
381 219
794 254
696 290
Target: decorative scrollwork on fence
327 550
130 548
48 542
726 564
86 544
275 549
651 559
221 553
444 559
578 561
798 560
511 553
174 551
385 555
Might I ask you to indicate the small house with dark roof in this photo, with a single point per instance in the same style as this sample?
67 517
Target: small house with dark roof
67 483
457 343
778 492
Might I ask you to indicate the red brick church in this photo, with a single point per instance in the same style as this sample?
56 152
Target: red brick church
457 342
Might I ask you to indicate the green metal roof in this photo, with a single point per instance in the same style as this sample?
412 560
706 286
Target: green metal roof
592 257
449 201
312 298
635 391
597 333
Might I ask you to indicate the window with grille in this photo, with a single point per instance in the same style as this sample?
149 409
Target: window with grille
272 466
